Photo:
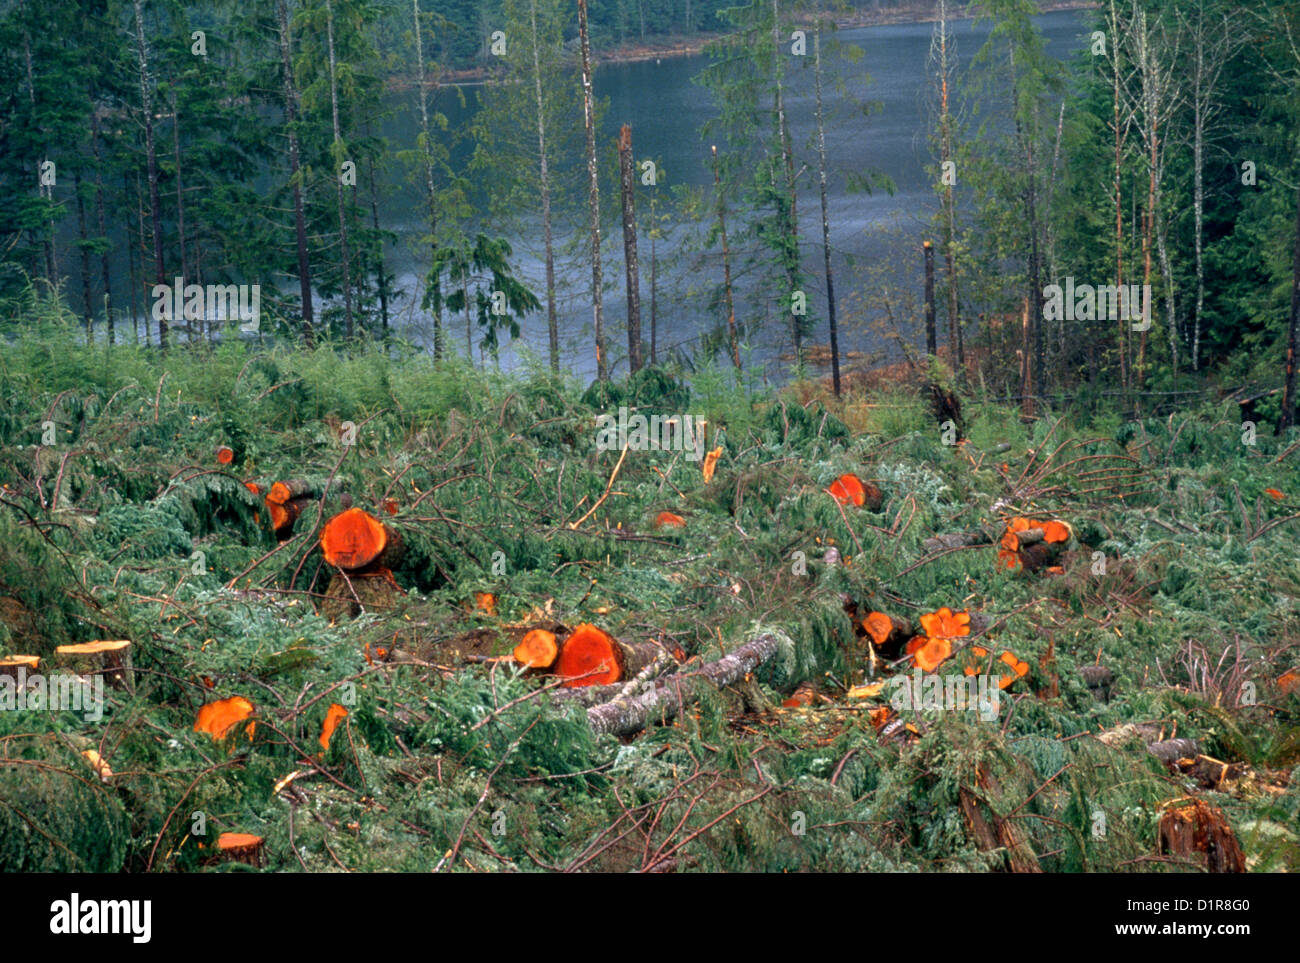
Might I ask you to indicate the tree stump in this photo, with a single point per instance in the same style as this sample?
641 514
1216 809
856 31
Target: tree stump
240 848
10 664
109 659
1192 828
350 592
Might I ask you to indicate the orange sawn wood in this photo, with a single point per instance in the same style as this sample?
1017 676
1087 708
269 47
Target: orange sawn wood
669 520
537 650
354 538
218 718
589 656
333 716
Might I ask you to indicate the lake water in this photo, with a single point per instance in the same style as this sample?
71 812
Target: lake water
876 237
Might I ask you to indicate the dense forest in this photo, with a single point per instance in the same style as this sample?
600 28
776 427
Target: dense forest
352 594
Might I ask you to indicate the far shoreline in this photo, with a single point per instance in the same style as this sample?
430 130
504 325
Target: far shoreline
676 46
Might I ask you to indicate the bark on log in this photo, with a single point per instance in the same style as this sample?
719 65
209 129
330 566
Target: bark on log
285 491
625 716
240 848
349 592
1171 750
953 540
1098 679
111 659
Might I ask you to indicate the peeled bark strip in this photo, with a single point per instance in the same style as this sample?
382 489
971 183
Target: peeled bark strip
109 659
625 716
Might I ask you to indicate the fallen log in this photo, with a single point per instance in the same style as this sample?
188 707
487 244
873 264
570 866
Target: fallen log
888 632
671 694
591 656
955 540
1171 750
354 539
286 491
111 659
285 514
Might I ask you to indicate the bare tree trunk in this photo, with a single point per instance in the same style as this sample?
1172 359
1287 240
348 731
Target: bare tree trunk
826 223
1120 132
955 340
295 176
726 265
374 220
85 257
1293 331
102 221
544 174
439 347
931 334
46 191
593 194
155 203
629 249
787 156
338 181
654 304
180 194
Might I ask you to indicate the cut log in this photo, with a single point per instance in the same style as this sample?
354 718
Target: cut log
669 520
109 659
355 539
623 717
537 650
10 664
240 848
1210 773
285 491
225 455
1193 829
955 540
887 632
1171 750
284 515
333 716
591 656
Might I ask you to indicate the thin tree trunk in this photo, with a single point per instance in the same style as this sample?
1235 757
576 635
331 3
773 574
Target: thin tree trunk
1118 188
826 222
544 186
85 257
931 334
593 195
726 265
155 204
180 196
1293 330
431 193
338 181
46 191
654 304
295 176
379 240
955 338
629 248
787 156
102 221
